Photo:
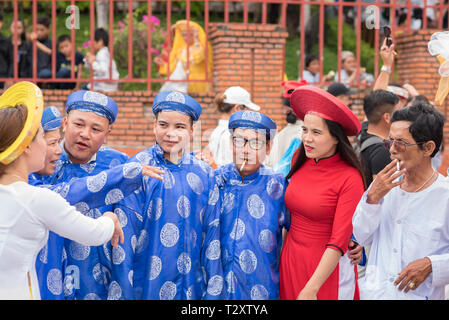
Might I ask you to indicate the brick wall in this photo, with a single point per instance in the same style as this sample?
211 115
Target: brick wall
251 56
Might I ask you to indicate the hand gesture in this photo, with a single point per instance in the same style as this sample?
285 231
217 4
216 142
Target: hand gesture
33 36
90 57
153 172
207 157
118 232
384 182
387 54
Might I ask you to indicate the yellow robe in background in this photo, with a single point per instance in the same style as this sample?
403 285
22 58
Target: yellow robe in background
197 57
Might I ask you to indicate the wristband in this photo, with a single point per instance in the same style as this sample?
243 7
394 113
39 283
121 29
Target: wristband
386 69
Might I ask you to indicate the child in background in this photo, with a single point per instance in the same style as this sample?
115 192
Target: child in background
43 43
24 57
100 63
64 63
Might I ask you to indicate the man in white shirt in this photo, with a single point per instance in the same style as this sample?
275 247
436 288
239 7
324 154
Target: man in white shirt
293 130
101 62
406 220
233 99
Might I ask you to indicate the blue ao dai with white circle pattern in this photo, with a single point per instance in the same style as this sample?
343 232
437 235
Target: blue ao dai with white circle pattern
168 243
86 271
252 214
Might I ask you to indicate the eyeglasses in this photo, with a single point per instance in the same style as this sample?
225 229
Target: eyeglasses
400 146
254 143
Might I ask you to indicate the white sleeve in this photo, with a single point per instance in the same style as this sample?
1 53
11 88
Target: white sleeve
366 220
101 64
62 218
440 271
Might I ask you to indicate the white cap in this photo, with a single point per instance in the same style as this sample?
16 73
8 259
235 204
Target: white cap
238 95
399 91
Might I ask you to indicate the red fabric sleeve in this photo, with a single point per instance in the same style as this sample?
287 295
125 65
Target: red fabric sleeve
350 194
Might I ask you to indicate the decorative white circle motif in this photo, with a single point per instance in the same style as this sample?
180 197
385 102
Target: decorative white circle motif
91 296
169 235
184 263
114 292
195 183
96 183
99 273
215 285
78 251
168 180
213 195
248 261
43 254
255 206
251 116
238 229
114 196
175 96
213 250
183 205
266 240
96 97
168 291
54 281
228 202
155 267
82 207
258 292
275 189
131 169
143 157
118 255
121 215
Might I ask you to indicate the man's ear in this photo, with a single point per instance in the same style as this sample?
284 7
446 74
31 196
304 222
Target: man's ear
429 147
64 123
387 117
107 134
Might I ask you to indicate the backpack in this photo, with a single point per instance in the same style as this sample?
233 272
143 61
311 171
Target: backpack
360 147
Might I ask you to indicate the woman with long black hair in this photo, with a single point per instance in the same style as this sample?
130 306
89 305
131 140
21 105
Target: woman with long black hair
326 183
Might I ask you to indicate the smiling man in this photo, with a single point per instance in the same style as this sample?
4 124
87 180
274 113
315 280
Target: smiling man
406 221
51 264
86 128
166 243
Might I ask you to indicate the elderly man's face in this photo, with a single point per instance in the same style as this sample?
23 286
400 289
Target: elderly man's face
410 156
84 133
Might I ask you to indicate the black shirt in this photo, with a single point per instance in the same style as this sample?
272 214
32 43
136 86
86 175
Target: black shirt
43 59
5 57
63 62
24 59
375 157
